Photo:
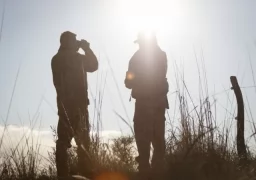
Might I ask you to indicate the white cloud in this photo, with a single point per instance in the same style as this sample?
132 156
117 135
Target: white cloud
23 137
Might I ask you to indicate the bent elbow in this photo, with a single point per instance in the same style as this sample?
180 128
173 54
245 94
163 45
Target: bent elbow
93 67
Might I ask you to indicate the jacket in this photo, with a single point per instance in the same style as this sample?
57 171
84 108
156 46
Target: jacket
69 69
146 76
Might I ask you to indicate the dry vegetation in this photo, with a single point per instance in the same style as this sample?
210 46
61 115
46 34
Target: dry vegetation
196 150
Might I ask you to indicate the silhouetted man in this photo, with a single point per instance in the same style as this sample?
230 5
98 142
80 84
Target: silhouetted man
146 76
69 70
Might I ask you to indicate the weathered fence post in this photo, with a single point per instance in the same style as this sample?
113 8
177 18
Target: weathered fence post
241 148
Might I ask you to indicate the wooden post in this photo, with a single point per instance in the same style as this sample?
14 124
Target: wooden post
241 148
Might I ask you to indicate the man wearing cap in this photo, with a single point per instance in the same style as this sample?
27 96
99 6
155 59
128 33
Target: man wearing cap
69 69
146 77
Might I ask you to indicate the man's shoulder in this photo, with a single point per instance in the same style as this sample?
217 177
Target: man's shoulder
59 56
136 55
55 58
160 51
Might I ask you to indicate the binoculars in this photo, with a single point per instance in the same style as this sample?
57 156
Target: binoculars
83 44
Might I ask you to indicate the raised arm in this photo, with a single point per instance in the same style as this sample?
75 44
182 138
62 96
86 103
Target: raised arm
89 60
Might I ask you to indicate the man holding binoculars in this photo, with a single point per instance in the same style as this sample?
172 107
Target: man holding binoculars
69 70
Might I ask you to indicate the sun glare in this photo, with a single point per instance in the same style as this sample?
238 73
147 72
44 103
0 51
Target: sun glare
144 15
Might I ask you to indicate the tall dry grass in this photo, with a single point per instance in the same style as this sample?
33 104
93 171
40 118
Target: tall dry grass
197 148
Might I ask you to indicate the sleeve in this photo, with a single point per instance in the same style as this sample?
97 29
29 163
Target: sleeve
89 61
130 74
56 73
164 74
162 66
165 65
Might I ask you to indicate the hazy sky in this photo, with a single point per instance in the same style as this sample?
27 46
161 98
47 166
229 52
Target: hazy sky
224 31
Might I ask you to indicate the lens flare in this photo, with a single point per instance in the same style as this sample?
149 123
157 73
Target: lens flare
145 14
111 176
130 76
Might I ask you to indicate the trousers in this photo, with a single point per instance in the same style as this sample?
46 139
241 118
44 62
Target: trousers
149 128
73 123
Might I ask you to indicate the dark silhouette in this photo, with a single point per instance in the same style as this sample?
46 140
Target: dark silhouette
241 147
69 70
146 76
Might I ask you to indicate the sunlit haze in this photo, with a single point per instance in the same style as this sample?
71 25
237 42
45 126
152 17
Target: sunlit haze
204 40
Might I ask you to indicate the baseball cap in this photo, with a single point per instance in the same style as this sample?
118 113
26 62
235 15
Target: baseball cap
145 36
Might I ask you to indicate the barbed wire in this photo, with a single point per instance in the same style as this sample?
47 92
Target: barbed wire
221 92
247 87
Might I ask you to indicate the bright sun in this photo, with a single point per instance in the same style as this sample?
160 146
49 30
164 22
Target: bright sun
144 15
